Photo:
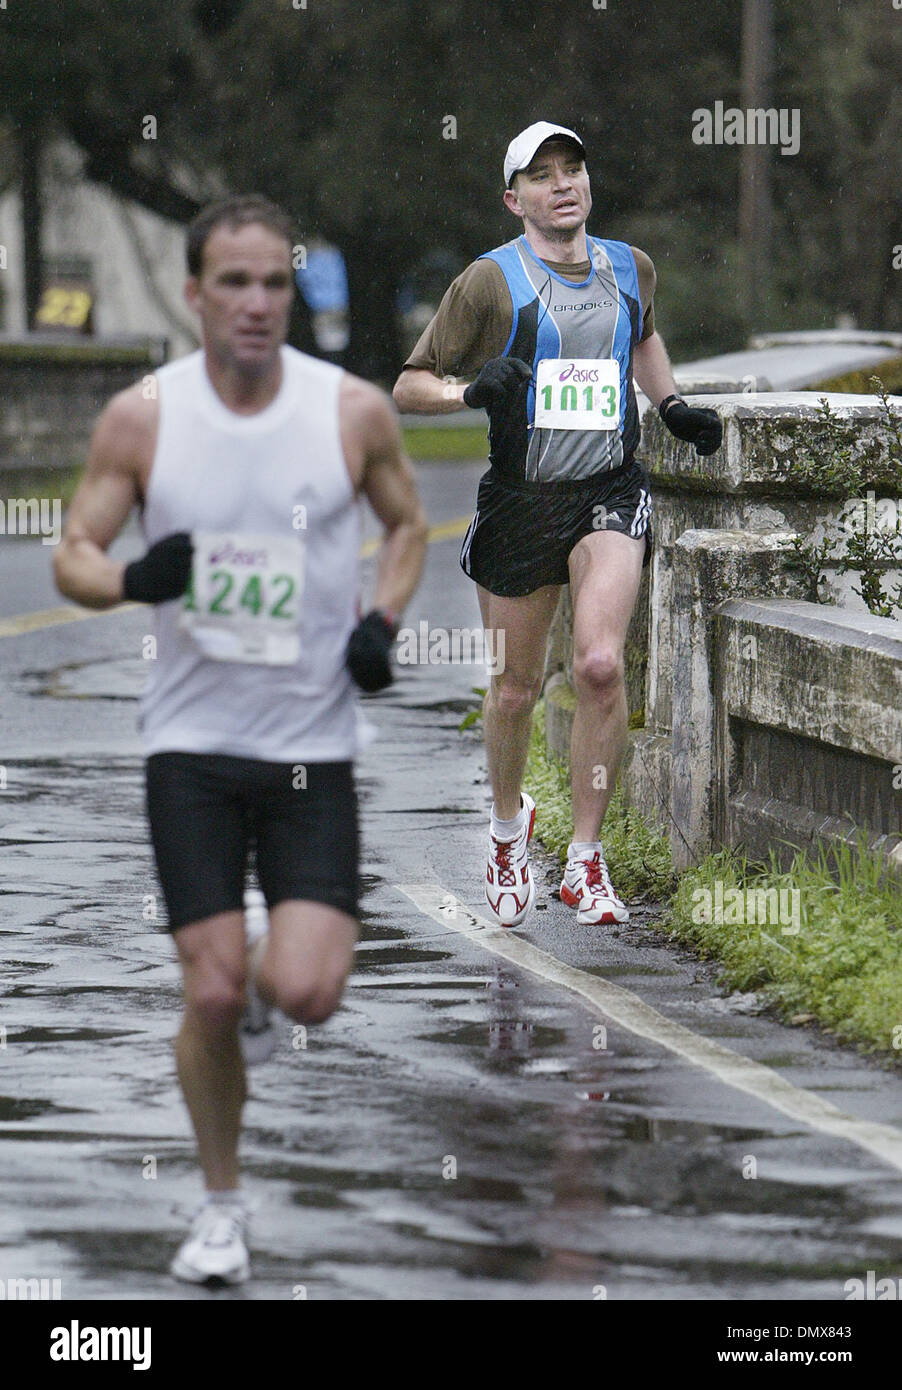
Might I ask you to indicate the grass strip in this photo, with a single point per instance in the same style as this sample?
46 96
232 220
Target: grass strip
821 940
426 445
637 854
40 483
429 443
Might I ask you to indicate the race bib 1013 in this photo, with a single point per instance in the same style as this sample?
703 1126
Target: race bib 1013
578 394
244 599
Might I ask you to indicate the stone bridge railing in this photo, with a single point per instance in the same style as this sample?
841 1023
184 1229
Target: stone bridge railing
51 391
766 720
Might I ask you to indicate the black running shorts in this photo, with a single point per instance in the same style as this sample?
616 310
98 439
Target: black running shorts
523 533
207 811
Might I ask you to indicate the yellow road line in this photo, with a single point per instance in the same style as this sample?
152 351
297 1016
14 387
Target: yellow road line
627 1009
458 527
54 617
446 531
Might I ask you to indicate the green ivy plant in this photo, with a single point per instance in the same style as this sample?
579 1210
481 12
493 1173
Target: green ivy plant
473 716
850 545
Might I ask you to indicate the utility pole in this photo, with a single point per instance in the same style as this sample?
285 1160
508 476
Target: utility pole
755 168
30 145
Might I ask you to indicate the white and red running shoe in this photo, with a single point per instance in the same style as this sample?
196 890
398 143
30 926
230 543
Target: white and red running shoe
509 888
587 886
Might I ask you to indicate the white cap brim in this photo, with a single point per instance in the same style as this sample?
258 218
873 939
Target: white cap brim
522 149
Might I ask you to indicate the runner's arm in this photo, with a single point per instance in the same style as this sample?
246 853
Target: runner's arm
697 425
472 325
389 485
420 392
652 370
105 495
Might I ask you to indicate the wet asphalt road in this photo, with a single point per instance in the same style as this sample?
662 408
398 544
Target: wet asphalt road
453 1132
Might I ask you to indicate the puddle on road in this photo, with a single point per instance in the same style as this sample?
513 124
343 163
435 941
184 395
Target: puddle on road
15 1108
56 1035
511 1035
54 991
411 955
645 1129
99 679
548 1185
417 982
494 1031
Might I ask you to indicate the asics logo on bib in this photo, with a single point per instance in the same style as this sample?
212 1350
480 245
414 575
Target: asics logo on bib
230 554
573 373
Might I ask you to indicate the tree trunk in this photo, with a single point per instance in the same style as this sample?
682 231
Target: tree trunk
300 326
374 269
755 163
30 147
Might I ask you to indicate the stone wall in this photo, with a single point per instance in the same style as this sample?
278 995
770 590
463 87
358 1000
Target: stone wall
723 533
807 726
560 650
51 391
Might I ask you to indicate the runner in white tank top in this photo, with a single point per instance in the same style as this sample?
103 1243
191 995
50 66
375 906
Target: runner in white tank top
248 459
279 474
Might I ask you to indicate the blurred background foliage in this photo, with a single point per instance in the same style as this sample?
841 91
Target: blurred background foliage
338 110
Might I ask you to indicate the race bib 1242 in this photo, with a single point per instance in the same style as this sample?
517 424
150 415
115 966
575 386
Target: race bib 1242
244 599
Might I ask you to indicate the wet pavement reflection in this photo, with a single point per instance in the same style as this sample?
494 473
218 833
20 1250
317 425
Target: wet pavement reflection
460 1129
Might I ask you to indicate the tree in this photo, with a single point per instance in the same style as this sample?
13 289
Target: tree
383 127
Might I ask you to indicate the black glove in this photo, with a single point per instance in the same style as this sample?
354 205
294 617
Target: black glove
368 657
697 426
163 573
498 379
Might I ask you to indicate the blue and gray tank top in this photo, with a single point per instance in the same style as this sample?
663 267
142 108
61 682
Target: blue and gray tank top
597 318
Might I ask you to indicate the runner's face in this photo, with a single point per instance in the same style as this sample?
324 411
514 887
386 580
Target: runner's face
243 295
552 193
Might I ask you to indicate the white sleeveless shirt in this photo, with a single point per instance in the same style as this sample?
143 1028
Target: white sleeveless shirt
279 473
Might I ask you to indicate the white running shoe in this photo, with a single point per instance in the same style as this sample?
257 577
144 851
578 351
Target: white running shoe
587 886
255 1031
509 887
215 1248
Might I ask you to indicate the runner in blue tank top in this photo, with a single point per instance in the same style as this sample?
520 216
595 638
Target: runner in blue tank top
550 330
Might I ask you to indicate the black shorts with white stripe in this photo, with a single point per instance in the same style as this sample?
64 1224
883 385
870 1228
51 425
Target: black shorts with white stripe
523 533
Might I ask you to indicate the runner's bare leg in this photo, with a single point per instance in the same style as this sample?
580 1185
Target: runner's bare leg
304 962
208 1056
605 572
512 694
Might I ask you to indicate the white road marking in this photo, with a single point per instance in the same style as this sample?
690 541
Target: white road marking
627 1009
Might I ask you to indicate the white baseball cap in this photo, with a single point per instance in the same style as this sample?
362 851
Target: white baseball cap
521 150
